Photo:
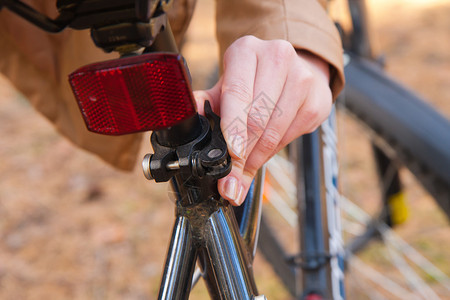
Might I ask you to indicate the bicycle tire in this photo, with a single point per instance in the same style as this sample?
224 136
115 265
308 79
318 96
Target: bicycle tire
419 135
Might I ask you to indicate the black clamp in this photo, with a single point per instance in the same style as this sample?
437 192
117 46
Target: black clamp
206 155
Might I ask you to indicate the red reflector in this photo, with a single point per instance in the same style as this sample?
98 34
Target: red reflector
313 297
139 93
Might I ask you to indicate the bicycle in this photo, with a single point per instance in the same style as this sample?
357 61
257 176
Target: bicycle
322 253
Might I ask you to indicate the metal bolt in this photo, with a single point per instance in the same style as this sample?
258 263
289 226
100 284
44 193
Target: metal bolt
173 165
213 153
146 166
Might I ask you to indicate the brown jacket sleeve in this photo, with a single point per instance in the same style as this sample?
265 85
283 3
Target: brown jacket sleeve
304 23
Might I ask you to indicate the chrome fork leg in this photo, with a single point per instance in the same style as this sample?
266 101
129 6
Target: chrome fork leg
210 233
180 262
225 259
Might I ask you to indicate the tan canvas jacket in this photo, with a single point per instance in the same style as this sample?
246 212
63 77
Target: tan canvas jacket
38 63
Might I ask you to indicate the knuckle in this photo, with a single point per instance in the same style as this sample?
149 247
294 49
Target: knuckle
311 115
254 126
269 140
246 41
237 90
240 48
253 164
282 51
250 172
238 164
309 120
244 46
302 86
257 119
305 77
228 54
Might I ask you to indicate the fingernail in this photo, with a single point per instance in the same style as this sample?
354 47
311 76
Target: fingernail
237 145
239 199
231 187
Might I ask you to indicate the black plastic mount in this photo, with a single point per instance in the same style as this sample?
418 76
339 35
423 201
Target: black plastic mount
118 24
204 156
115 24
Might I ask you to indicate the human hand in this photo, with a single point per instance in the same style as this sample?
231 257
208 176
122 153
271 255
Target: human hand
267 96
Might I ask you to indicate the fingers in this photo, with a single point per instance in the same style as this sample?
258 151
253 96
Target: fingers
258 112
267 89
267 97
268 115
290 102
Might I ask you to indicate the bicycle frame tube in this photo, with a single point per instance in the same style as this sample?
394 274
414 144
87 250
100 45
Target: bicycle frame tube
249 214
180 262
228 267
321 240
312 236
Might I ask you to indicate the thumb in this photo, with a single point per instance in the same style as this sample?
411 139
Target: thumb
213 95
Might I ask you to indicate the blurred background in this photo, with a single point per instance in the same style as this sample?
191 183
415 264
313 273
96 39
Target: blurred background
71 227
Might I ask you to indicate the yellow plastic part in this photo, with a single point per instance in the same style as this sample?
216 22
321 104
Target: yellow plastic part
398 207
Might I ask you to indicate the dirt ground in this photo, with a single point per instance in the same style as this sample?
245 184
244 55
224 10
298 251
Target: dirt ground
71 227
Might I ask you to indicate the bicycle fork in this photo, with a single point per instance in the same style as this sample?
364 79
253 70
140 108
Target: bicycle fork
219 250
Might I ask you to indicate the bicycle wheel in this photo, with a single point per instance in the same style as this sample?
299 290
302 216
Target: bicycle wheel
365 232
409 143
391 150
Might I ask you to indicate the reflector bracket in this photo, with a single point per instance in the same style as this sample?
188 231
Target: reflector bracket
140 93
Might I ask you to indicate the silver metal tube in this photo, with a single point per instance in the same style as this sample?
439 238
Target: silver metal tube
250 222
180 263
227 265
